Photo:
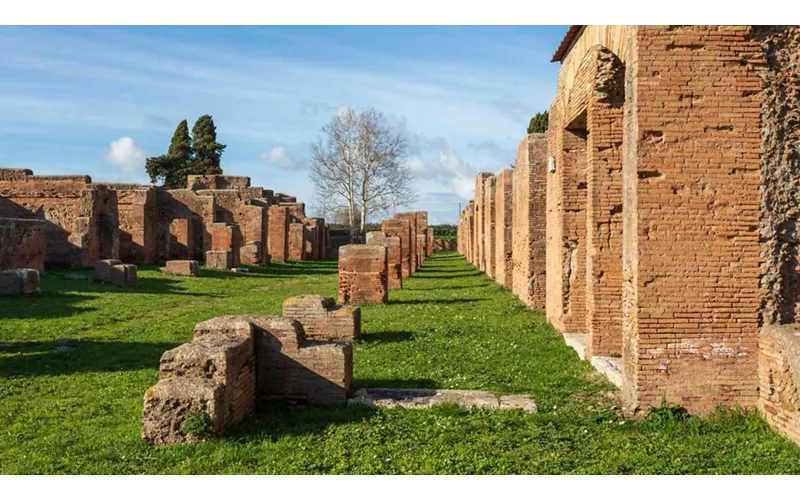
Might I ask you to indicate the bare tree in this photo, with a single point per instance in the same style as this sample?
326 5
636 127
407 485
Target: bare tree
359 162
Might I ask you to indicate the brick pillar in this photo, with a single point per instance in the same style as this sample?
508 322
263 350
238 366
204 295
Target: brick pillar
480 221
393 255
363 277
489 244
691 212
402 230
604 206
529 222
503 228
411 217
297 241
277 235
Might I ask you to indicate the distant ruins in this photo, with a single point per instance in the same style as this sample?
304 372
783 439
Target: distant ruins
368 272
655 222
70 222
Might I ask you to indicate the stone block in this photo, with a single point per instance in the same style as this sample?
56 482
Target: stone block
393 256
363 276
169 403
219 259
116 273
184 267
22 244
19 282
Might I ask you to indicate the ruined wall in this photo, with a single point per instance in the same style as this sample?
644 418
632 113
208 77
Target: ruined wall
297 241
137 216
779 379
363 274
400 229
22 244
528 222
504 208
411 217
479 227
691 188
393 256
277 237
80 218
422 229
489 244
322 318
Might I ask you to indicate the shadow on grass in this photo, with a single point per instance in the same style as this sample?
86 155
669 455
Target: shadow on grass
395 383
22 359
270 422
441 275
435 301
385 337
277 270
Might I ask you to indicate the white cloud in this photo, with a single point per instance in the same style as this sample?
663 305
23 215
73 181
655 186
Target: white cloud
279 157
125 155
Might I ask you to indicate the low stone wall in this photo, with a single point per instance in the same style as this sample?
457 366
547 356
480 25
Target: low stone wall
22 244
233 362
363 274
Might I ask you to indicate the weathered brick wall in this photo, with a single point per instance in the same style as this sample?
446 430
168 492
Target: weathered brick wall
277 239
528 247
605 76
363 275
234 182
176 239
22 244
691 193
297 241
322 318
489 243
430 241
183 240
81 225
503 228
393 256
401 229
421 242
446 245
479 237
411 217
422 229
226 237
779 379
137 222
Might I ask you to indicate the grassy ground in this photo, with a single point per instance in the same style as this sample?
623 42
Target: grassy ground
78 410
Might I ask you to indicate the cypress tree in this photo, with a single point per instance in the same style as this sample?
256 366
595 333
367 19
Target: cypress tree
207 151
538 123
171 169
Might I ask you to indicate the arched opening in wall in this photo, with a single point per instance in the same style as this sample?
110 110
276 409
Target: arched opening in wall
604 118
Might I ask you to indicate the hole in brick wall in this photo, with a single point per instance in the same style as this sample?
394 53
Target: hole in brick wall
581 185
748 93
650 174
616 209
722 128
685 46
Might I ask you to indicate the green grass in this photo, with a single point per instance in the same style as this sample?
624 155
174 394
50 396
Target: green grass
78 410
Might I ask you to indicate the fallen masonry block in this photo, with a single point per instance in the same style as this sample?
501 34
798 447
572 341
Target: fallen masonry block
19 282
234 361
322 318
219 259
363 276
114 272
184 267
425 398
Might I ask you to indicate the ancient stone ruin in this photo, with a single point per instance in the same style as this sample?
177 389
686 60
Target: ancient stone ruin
393 256
235 362
184 267
114 272
363 274
654 222
70 222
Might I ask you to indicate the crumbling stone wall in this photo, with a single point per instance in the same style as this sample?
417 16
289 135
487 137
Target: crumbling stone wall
393 256
445 245
278 236
297 241
430 241
400 228
422 229
479 244
489 244
363 274
779 379
235 361
137 215
22 244
504 229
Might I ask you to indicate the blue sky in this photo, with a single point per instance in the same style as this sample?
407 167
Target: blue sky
98 100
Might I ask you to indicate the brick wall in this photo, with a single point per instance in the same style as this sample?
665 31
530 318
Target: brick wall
393 255
322 318
489 244
297 241
363 275
503 228
401 229
22 244
411 217
277 239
